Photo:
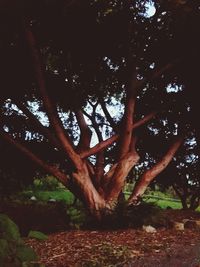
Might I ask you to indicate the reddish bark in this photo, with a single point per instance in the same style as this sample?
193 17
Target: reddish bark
118 178
127 121
149 175
90 196
104 144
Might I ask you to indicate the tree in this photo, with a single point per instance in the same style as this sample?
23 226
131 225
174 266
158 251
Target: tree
73 64
182 175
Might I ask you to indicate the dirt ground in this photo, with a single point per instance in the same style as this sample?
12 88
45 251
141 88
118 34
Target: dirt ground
97 248
163 248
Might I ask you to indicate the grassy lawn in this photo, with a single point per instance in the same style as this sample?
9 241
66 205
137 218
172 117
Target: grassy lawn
67 197
165 203
58 195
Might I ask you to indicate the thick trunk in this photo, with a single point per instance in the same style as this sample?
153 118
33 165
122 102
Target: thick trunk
149 175
93 201
121 171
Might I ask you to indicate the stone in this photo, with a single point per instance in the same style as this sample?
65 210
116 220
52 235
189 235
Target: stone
198 223
178 226
33 198
149 229
52 200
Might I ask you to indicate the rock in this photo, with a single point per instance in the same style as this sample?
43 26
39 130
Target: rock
149 229
52 200
33 198
198 224
178 226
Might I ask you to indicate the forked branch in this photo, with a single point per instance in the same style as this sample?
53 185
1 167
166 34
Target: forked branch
104 144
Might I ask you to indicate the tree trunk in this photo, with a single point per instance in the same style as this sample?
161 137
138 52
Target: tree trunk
194 202
184 202
89 195
121 171
182 195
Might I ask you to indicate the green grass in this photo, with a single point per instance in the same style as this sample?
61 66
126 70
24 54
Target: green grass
67 197
163 204
59 195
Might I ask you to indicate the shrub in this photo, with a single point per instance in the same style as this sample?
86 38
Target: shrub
47 183
13 251
37 235
145 214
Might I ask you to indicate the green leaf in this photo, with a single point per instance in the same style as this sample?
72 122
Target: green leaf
37 235
8 229
25 254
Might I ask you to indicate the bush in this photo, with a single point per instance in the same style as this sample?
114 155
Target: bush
47 183
37 235
13 251
145 214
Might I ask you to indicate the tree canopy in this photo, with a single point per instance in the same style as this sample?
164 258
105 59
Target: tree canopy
92 89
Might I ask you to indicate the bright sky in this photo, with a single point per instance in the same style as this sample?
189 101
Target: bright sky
150 9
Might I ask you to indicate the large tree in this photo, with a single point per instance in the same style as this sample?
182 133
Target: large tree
100 68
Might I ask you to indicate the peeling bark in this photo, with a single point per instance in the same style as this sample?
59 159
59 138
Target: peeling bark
90 196
121 171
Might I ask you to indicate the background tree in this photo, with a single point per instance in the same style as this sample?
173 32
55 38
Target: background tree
182 175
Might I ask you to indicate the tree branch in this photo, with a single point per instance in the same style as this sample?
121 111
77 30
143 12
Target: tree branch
133 87
104 144
46 132
149 175
144 120
121 171
127 121
86 133
48 168
50 108
107 114
99 166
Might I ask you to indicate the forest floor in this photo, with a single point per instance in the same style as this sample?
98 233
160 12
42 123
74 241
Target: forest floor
125 247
